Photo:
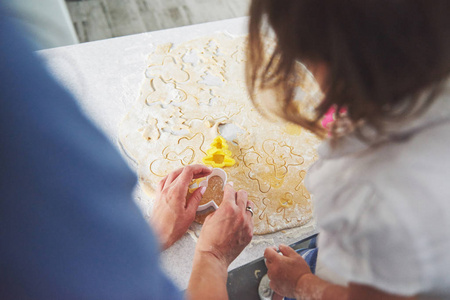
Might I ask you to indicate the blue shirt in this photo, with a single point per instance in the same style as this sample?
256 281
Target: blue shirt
69 228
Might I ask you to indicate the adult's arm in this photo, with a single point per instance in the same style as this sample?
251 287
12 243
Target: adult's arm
69 228
224 235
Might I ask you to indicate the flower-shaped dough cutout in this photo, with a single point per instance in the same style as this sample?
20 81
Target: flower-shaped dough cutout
165 92
169 71
205 96
287 200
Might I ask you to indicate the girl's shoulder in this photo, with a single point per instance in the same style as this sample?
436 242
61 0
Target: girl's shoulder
383 211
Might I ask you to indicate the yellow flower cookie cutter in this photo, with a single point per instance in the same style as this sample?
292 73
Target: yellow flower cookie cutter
218 156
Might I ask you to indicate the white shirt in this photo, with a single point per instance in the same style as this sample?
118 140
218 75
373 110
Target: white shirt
384 212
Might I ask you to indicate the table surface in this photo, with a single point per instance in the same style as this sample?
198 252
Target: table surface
106 76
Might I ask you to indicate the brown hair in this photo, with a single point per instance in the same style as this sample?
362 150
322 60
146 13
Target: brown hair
378 54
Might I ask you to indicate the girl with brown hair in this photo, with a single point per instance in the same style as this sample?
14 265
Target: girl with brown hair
380 186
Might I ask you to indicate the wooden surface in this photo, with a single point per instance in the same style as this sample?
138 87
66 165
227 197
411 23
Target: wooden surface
102 19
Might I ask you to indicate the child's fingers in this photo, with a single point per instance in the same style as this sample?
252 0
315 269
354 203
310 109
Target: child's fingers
287 251
271 255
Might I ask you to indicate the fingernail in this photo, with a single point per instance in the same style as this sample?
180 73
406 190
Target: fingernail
202 190
210 168
231 183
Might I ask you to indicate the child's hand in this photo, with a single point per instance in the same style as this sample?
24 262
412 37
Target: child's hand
285 270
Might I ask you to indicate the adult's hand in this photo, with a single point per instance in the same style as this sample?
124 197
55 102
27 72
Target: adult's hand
285 270
224 235
172 213
227 231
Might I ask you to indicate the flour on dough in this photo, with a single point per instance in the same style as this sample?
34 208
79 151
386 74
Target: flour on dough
189 92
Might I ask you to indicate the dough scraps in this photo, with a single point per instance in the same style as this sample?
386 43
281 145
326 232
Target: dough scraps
193 92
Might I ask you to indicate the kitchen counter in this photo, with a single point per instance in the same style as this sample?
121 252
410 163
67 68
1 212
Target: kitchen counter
105 77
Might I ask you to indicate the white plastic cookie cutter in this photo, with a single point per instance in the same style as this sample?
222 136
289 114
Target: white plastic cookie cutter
215 172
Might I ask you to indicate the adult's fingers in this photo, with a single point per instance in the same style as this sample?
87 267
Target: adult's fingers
250 227
251 205
287 251
194 200
162 183
241 199
173 175
209 217
192 171
203 173
229 194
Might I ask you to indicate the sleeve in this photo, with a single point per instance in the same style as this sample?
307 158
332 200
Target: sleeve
69 228
367 242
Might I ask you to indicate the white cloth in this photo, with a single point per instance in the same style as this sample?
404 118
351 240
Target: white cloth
384 212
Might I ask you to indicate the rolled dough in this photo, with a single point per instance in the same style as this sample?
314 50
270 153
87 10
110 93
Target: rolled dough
196 90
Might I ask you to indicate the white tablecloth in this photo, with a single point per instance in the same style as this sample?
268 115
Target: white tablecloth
106 76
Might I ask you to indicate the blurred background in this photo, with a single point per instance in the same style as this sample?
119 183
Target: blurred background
64 22
101 19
